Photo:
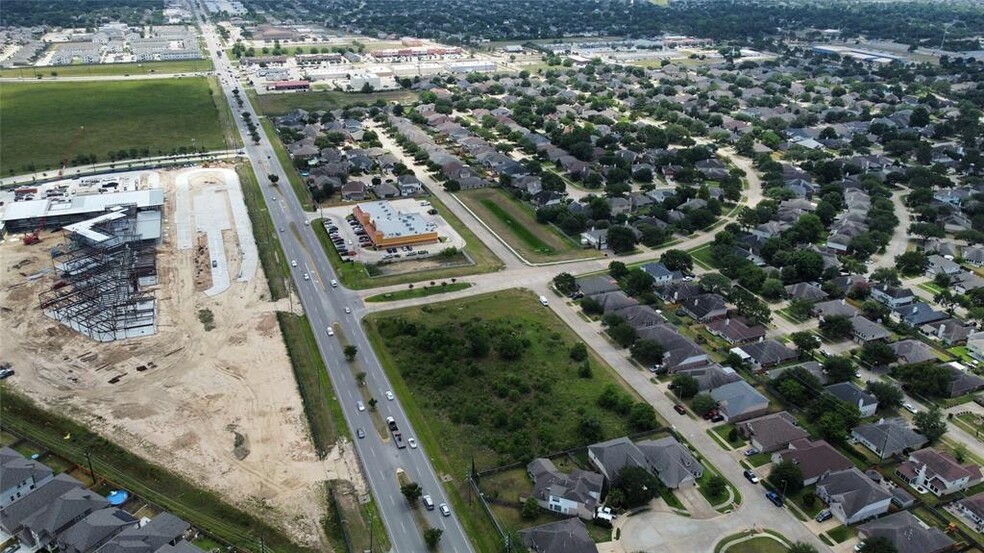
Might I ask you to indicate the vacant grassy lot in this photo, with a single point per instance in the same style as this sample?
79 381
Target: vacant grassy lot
111 69
420 292
517 225
40 123
278 104
121 468
491 380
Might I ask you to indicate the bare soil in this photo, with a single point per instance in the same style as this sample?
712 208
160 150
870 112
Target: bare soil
180 396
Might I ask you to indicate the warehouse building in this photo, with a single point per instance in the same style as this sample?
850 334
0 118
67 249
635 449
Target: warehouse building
388 227
57 212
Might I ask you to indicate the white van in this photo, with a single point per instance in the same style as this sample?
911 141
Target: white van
428 502
543 301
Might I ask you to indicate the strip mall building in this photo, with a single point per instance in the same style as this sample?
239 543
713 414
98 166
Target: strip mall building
388 227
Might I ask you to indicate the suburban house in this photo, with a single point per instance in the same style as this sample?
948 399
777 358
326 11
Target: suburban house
815 458
832 308
918 314
939 265
975 345
851 394
712 376
563 536
973 509
736 330
354 191
962 381
13 516
811 367
660 274
950 331
614 301
595 238
805 291
163 534
937 472
665 458
680 352
906 533
677 291
640 316
43 528
974 255
591 286
94 530
851 496
892 296
767 353
574 494
409 184
912 351
888 437
19 476
739 401
705 307
771 432
866 330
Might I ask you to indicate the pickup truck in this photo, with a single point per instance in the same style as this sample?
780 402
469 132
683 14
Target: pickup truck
397 435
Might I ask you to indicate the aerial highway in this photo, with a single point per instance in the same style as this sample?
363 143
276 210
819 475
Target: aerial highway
325 306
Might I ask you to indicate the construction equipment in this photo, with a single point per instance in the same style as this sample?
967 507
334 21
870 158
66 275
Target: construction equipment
33 237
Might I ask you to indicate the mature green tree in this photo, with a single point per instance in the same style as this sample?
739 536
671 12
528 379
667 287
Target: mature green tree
647 352
703 404
350 351
772 289
412 491
888 395
621 239
531 509
919 117
565 283
833 426
432 536
887 276
617 269
800 308
579 352
637 282
716 485
642 417
685 386
877 354
838 368
636 486
677 260
591 306
836 327
805 340
623 334
715 283
787 477
912 263
930 423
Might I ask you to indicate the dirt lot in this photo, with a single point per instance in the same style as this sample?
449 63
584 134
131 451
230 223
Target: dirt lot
183 394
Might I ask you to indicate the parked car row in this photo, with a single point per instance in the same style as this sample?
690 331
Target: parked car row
340 246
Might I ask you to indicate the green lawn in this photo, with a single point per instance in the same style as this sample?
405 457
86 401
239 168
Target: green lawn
423 292
278 104
723 431
516 223
759 459
40 123
110 69
840 534
758 545
442 356
702 256
271 255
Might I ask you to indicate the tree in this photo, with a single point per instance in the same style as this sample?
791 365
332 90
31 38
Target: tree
636 486
800 547
617 269
638 282
833 426
960 452
361 378
878 544
621 239
912 263
715 283
787 477
579 352
930 424
877 354
412 491
432 536
623 333
703 404
350 352
373 402
800 308
642 417
647 352
888 395
565 283
838 369
274 179
716 485
836 327
805 340
685 386
919 117
887 276
677 260
531 509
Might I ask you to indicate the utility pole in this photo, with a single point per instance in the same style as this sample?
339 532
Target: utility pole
370 530
88 460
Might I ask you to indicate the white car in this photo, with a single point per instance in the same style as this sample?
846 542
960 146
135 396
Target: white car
389 395
306 277
445 510
413 443
330 331
910 408
293 263
348 309
334 283
360 405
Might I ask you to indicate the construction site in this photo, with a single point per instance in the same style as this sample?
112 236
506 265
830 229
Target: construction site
104 323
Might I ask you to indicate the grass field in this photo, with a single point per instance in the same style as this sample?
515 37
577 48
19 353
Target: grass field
430 357
420 292
271 255
110 69
517 225
354 275
277 104
758 545
170 491
40 123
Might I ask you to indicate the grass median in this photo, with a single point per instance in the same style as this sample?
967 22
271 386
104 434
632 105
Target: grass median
421 292
296 182
268 247
170 491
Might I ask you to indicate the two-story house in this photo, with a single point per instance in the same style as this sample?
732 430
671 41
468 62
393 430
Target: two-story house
19 476
937 472
574 494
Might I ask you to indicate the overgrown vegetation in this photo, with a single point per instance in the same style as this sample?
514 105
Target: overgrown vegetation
268 246
207 319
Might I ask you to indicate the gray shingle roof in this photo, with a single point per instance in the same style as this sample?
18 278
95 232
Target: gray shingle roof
849 393
739 398
851 489
565 536
12 517
672 461
890 436
907 533
93 530
14 469
163 529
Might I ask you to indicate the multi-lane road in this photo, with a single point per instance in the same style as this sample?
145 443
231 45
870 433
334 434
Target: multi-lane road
325 306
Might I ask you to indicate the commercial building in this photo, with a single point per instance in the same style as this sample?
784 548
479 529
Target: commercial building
388 227
289 85
57 212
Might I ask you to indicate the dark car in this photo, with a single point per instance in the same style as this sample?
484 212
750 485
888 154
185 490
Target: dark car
679 409
774 498
751 476
824 515
717 418
360 433
6 373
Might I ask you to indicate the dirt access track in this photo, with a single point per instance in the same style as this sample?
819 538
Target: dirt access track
185 392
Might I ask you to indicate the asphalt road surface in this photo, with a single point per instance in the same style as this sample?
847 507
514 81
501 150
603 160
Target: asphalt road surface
324 305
